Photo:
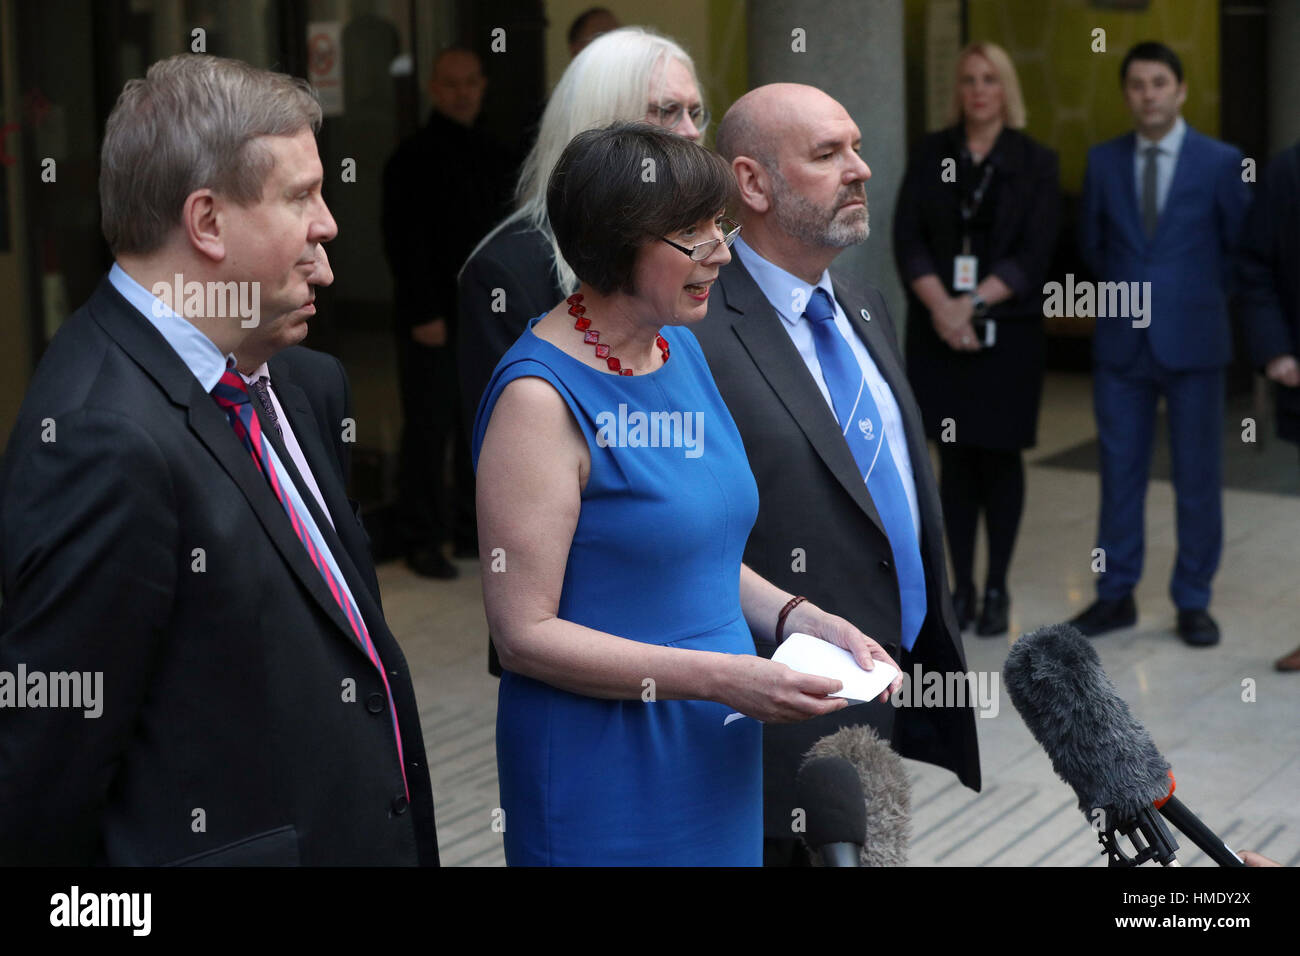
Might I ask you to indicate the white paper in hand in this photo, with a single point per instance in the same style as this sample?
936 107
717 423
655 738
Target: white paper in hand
812 655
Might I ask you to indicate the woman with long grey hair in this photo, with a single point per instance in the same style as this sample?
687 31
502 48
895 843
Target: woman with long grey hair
517 272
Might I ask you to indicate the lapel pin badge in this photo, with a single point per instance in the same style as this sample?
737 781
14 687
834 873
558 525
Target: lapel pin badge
866 315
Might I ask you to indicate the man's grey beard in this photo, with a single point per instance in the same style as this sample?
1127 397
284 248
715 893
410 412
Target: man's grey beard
812 225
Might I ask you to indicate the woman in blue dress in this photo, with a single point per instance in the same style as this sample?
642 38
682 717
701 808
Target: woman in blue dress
614 501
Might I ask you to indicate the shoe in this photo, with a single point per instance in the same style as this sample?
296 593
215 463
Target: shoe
963 605
1103 616
1197 628
1289 663
994 613
430 563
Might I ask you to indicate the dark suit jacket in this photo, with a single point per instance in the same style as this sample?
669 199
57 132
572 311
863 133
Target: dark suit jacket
229 733
444 188
314 393
1188 260
517 261
1022 205
1270 279
811 496
993 394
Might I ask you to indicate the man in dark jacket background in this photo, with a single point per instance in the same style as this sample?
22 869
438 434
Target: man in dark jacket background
444 188
1270 296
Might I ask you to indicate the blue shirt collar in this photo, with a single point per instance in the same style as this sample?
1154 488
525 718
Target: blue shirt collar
780 287
196 350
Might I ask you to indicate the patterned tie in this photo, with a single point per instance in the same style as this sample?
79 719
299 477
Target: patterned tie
855 408
232 396
261 384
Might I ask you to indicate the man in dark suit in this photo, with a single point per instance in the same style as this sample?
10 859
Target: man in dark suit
786 341
444 188
154 538
1270 297
1160 213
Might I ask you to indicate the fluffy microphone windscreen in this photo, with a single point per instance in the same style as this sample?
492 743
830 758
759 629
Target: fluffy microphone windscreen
1055 680
886 793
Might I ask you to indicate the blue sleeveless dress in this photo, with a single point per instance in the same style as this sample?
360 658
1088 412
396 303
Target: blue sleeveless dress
665 515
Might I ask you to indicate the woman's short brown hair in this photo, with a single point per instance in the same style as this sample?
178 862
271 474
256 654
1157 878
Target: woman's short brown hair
190 124
618 188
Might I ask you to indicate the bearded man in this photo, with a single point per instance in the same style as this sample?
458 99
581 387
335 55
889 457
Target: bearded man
808 364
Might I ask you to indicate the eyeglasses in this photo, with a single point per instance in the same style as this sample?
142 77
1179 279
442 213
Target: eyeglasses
698 253
670 115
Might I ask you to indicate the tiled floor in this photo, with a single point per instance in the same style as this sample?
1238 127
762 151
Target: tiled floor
1237 761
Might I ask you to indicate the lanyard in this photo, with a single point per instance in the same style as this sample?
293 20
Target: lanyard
968 210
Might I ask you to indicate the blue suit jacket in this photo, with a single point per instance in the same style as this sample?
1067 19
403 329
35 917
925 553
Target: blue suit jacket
1187 261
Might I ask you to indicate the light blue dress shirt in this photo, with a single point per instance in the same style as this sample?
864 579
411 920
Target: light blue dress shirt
195 349
207 364
1166 160
785 292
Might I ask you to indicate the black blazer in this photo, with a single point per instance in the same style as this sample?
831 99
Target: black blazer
516 261
1025 216
142 543
811 496
314 393
444 188
1269 298
993 394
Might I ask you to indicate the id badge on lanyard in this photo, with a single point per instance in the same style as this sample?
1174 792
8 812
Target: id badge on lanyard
965 267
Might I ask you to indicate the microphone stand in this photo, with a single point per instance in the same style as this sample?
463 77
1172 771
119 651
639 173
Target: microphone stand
1145 831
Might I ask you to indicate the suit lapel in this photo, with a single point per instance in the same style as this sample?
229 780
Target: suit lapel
887 361
342 556
764 337
208 422
1009 160
215 432
302 420
1132 205
1181 179
297 409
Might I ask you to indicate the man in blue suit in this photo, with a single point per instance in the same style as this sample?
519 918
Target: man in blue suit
1161 205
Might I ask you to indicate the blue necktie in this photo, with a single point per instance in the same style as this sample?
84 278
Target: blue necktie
863 429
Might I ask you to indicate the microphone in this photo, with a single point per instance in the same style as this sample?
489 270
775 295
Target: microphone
831 795
857 797
1056 682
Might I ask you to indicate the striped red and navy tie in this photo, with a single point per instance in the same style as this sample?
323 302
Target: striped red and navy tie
232 396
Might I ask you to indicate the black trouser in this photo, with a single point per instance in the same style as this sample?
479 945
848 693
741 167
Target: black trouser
972 480
430 511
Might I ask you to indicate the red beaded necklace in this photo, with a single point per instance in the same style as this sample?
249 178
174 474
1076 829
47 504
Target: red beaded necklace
592 337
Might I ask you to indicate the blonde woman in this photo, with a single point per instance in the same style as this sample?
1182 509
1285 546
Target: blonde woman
973 249
517 271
